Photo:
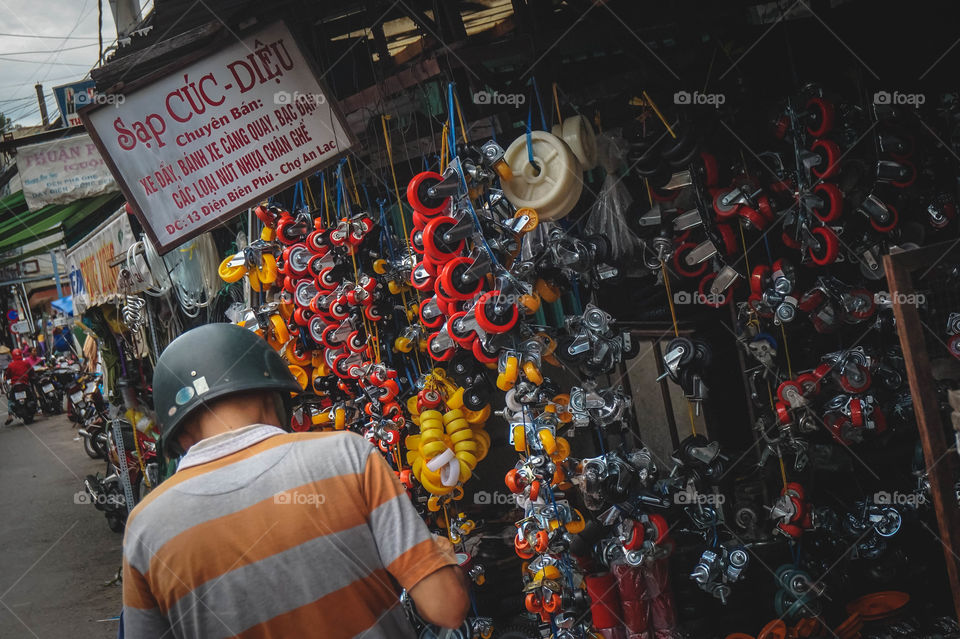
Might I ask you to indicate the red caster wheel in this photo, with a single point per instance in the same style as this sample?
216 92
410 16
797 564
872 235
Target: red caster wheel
809 384
889 225
953 345
464 339
372 313
660 526
680 263
832 200
301 316
856 413
433 243
724 211
714 301
339 311
451 278
909 179
765 208
853 387
780 127
481 354
289 231
810 300
416 241
728 237
328 336
752 218
866 304
421 278
436 351
789 390
495 315
267 215
355 343
820 117
879 420
758 279
792 530
783 413
829 154
827 248
636 538
301 423
318 242
789 241
327 278
430 315
711 170
419 221
419 199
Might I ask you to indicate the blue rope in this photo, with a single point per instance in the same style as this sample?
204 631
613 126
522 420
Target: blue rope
450 114
530 136
536 93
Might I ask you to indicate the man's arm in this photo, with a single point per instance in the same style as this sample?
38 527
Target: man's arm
441 597
409 551
141 616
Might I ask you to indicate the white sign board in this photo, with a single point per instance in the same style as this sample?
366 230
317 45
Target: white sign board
92 280
23 326
63 171
219 135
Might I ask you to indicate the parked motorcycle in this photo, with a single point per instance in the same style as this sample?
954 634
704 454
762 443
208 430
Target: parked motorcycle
48 390
108 491
85 406
133 465
23 402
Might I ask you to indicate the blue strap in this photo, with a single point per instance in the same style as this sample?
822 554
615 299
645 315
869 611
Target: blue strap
536 93
450 115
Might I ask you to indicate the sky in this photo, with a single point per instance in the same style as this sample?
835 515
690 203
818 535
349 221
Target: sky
53 42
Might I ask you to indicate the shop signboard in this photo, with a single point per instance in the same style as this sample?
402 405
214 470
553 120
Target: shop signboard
72 97
62 171
93 281
197 145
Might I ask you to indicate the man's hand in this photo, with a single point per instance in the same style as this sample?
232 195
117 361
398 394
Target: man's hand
441 598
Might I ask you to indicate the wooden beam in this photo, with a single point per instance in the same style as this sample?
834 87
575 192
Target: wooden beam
941 464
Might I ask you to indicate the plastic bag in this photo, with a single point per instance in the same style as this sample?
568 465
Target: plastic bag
608 213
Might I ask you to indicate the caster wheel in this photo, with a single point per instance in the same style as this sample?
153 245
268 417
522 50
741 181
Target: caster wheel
680 264
889 225
419 199
433 244
828 248
451 278
494 315
724 211
821 117
832 199
829 154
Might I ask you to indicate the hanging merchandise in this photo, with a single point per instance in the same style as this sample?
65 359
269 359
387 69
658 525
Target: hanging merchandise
608 214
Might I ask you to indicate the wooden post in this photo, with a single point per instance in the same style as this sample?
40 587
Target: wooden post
941 464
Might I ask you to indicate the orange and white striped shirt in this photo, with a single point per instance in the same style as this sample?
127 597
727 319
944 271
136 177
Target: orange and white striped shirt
267 534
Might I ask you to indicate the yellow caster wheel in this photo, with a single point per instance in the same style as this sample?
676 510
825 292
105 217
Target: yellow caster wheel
532 219
508 378
519 438
532 373
548 292
303 378
403 344
380 266
230 274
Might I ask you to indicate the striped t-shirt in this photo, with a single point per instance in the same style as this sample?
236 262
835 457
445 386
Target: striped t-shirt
267 534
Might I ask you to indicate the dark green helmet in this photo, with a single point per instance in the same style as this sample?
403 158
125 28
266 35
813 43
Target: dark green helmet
209 362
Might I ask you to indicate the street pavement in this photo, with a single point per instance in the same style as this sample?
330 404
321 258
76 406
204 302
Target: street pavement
58 558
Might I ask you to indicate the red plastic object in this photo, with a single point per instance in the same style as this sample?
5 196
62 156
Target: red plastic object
605 607
829 152
821 117
417 194
829 249
833 202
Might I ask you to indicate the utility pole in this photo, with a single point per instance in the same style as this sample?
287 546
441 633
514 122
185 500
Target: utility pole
43 104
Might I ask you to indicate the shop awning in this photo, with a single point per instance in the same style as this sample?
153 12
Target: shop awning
64 305
18 225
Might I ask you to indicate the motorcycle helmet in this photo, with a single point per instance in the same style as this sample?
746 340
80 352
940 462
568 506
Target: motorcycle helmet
210 362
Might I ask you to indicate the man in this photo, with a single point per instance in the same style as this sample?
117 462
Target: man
18 371
267 534
32 358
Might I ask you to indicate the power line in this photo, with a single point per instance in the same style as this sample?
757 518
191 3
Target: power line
66 64
24 35
80 46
